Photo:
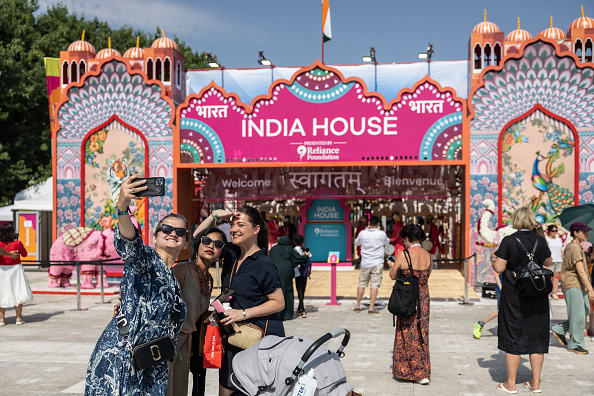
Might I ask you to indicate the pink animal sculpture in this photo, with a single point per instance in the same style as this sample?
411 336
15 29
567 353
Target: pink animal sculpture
82 244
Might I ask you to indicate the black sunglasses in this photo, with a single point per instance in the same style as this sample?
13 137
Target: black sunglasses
206 241
167 229
553 230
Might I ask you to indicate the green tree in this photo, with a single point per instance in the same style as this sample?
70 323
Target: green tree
25 151
25 136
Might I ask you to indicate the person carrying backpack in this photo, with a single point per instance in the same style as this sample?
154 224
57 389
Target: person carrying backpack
523 322
411 359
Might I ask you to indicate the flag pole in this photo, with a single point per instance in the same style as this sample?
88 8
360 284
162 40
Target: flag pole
323 33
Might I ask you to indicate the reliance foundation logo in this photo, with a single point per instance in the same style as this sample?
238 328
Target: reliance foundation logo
318 153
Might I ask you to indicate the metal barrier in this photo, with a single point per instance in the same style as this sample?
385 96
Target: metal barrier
465 301
101 263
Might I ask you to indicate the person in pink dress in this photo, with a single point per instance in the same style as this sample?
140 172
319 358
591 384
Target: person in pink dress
14 287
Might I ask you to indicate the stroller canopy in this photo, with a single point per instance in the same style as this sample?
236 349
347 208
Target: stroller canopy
265 365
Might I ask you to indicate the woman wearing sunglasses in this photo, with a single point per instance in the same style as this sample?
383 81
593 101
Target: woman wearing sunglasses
196 286
246 269
149 304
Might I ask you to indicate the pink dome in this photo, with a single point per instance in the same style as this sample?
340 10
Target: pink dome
581 23
518 35
553 33
134 52
107 53
82 45
164 42
486 27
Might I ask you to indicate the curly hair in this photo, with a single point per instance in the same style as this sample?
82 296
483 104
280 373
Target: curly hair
413 232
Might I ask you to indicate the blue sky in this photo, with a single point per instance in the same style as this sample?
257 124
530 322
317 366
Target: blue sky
289 32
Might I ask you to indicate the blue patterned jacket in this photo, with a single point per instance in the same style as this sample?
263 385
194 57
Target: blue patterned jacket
148 295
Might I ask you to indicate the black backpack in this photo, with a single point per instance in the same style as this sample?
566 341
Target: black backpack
533 280
405 300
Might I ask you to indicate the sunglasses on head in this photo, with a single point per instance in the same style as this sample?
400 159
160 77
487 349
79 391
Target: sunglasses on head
167 229
206 241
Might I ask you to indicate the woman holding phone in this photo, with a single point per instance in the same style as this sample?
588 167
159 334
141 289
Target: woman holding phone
258 296
150 304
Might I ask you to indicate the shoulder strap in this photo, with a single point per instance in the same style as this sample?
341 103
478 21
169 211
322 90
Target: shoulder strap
530 255
408 259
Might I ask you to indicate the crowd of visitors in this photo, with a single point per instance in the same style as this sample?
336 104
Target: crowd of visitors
167 303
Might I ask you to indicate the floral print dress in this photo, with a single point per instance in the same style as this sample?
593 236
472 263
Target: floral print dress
411 355
148 296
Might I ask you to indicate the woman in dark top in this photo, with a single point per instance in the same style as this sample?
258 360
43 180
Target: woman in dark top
285 259
246 269
523 323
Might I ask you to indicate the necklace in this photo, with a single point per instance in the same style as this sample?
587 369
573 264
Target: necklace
206 288
415 244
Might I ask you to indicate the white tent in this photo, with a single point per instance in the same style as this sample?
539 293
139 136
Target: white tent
38 197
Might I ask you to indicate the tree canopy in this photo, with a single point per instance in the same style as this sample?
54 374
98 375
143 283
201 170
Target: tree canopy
26 37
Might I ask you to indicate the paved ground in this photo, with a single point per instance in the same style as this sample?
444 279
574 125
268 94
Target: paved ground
49 354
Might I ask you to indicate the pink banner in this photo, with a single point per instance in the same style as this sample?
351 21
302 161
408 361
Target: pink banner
320 117
415 182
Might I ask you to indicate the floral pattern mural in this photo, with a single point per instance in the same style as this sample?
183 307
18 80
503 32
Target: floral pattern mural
68 202
481 187
586 187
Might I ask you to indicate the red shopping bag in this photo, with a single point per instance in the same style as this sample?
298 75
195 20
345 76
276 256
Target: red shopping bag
213 347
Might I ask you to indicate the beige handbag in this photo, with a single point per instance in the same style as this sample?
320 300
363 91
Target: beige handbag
246 336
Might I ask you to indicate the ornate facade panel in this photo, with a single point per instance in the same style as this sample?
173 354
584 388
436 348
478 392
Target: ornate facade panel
105 126
541 77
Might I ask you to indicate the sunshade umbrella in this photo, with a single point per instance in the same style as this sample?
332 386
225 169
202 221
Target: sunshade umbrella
583 213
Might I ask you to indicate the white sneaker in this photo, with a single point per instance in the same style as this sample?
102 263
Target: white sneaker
424 381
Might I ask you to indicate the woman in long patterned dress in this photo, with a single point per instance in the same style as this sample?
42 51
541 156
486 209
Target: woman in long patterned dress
411 345
148 292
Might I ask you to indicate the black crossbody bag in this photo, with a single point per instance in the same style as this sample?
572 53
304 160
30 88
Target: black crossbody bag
155 351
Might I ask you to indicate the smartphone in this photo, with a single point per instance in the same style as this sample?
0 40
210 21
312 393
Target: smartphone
391 259
156 187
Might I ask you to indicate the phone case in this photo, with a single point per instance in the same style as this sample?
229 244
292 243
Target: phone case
155 187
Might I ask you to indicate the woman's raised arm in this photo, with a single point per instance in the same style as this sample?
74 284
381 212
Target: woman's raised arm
127 191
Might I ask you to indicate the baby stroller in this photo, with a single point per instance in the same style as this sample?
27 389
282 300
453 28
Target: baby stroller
271 366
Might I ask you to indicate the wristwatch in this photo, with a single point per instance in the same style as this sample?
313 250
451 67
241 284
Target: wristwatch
244 316
122 212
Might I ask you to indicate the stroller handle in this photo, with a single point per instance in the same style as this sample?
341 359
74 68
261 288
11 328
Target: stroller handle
317 343
323 339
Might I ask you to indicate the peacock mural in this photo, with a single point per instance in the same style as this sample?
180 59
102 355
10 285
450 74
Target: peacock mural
550 187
